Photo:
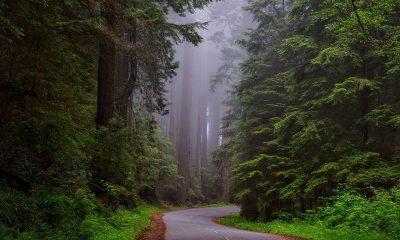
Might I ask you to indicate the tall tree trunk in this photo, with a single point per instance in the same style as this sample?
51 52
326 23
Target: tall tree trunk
215 120
106 80
198 149
185 127
204 140
107 65
129 76
117 71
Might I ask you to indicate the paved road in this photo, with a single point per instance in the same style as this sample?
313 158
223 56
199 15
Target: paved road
197 224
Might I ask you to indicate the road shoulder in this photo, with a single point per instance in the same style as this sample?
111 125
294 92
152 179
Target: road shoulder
157 229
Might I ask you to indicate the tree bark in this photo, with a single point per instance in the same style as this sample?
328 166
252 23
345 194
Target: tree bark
117 70
107 66
184 128
106 79
128 83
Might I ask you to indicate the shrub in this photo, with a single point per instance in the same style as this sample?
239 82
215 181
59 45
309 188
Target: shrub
42 214
380 213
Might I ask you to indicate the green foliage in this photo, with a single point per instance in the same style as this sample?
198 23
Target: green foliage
346 215
57 170
298 229
112 154
157 169
123 224
353 212
317 105
44 215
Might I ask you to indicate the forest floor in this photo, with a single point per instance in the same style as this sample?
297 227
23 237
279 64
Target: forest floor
300 228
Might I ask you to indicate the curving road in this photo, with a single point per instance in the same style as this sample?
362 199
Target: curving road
197 224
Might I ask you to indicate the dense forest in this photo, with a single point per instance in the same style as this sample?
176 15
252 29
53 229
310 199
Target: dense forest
289 108
81 82
316 111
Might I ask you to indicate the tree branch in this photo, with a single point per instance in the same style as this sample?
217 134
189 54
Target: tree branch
358 16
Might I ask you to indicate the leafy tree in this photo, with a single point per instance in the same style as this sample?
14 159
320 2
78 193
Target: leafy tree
54 158
318 104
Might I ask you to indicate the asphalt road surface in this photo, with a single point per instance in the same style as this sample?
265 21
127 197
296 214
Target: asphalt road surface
197 224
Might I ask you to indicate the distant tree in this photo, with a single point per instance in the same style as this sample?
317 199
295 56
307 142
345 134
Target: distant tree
232 23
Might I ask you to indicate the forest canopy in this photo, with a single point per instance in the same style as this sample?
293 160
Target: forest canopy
317 105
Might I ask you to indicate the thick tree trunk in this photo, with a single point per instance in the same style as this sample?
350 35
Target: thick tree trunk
107 65
184 128
106 81
117 70
128 77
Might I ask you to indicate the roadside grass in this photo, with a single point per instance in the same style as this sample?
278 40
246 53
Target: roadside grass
298 228
124 224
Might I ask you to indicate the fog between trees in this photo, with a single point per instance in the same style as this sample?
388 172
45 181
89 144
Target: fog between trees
197 97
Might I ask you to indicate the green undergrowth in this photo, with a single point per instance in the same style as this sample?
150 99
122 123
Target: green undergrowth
346 215
299 228
124 224
58 216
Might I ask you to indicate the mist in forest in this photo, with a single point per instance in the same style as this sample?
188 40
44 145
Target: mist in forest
197 94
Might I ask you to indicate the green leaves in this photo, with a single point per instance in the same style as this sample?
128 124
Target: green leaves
320 91
187 32
395 121
294 47
51 153
337 56
350 90
348 210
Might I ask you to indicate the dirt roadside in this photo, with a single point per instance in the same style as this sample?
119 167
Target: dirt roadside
157 229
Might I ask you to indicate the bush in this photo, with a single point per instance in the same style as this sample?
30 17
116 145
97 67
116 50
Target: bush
120 196
43 215
352 211
124 224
